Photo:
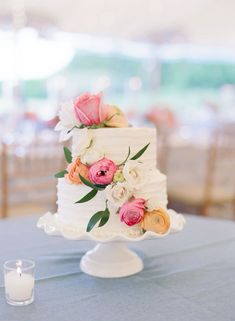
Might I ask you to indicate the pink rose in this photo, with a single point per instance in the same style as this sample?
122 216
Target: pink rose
133 212
102 171
89 109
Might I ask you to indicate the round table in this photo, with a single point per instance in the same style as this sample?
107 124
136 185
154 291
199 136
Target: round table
188 276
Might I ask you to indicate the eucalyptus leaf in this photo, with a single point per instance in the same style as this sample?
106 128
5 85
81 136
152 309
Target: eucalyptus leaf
129 151
140 152
68 155
88 196
94 220
61 174
104 218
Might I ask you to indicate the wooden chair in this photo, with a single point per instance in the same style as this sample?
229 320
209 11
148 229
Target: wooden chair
217 186
163 140
27 175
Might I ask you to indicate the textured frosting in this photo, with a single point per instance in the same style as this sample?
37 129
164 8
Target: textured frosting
78 215
115 142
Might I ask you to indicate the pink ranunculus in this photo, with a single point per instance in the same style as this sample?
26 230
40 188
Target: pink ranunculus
133 212
89 109
102 171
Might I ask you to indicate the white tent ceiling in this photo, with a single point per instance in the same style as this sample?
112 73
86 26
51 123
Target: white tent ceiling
195 21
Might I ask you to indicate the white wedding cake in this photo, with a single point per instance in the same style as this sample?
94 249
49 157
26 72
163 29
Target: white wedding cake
111 185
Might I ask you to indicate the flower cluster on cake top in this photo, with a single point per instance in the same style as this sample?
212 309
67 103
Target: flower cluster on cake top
89 111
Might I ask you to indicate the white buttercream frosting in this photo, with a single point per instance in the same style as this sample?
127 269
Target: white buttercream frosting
78 215
154 191
114 143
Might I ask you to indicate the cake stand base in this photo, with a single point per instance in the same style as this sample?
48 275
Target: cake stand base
111 260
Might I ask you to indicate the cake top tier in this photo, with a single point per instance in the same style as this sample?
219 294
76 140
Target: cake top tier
114 143
89 111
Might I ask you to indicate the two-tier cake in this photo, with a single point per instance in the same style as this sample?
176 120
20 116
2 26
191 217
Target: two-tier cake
111 184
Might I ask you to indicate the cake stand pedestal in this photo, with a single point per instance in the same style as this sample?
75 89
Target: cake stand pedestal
111 260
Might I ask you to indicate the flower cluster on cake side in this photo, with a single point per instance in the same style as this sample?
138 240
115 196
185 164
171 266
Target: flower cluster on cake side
122 183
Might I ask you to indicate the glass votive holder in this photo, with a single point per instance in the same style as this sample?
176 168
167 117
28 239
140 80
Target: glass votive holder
19 282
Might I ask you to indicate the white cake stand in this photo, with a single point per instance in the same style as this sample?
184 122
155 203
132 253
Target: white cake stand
110 258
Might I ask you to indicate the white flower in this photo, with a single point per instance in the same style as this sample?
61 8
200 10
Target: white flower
84 147
67 121
156 202
154 191
82 140
177 221
67 115
90 156
135 174
118 194
64 134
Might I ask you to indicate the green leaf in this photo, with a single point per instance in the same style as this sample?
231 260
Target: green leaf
129 151
94 219
82 126
140 152
86 182
67 155
61 174
100 187
90 184
104 218
69 131
88 196
94 126
89 146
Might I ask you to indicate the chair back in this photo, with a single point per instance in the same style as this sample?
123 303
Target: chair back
27 172
220 175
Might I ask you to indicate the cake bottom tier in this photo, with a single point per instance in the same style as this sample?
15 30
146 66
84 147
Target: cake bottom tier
76 216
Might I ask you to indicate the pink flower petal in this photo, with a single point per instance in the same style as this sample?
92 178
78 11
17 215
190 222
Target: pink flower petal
91 109
82 118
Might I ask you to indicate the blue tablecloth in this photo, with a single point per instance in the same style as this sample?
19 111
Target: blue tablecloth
188 276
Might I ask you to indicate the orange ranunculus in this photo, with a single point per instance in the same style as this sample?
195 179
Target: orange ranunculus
74 169
115 117
157 221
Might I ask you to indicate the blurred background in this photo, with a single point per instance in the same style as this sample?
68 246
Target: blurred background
169 64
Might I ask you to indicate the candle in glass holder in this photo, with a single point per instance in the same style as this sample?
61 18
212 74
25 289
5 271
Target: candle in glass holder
19 282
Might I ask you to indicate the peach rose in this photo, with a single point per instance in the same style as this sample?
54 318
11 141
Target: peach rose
157 221
115 117
74 169
89 109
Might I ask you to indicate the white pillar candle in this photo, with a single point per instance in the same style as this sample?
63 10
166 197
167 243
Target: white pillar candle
19 286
